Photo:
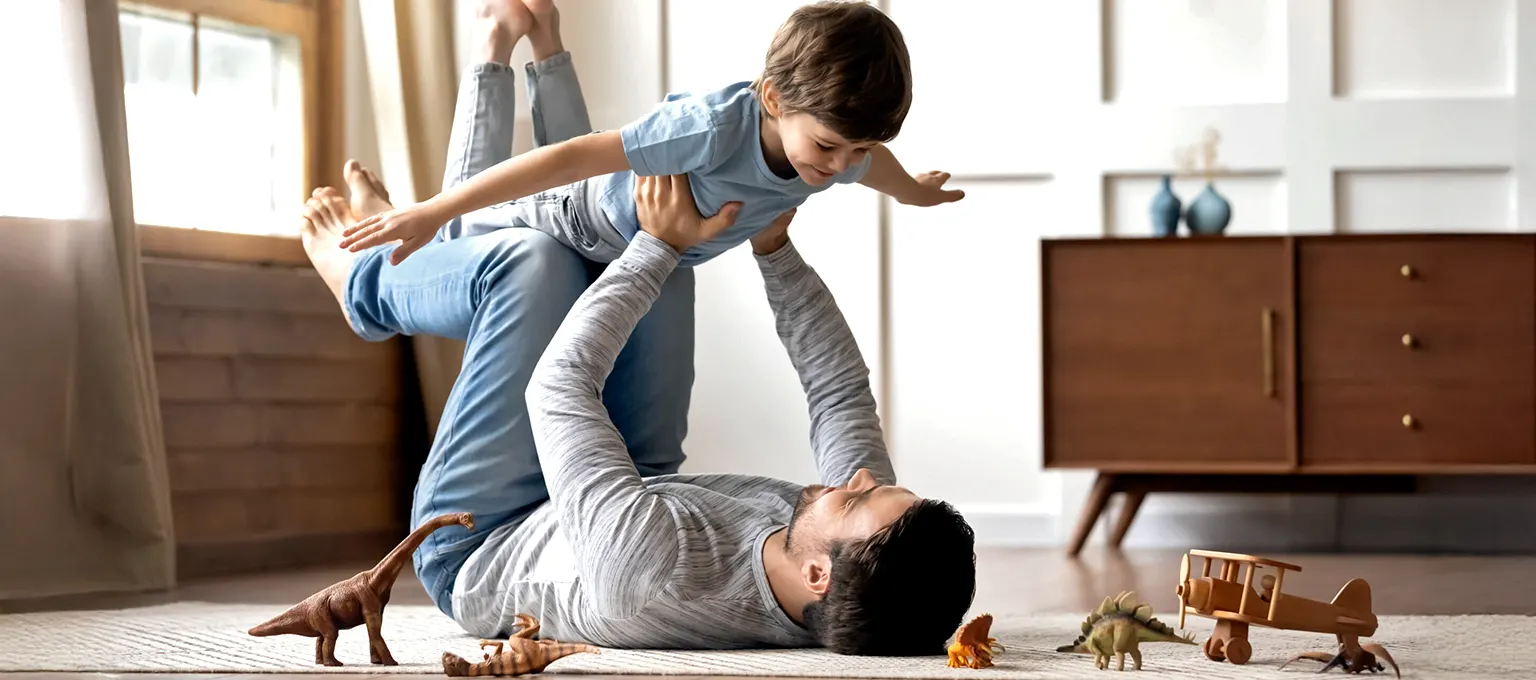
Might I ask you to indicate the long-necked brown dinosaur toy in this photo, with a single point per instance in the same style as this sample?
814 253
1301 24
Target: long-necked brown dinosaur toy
523 654
355 601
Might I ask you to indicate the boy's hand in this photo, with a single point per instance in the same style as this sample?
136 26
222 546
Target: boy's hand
412 225
772 238
930 190
667 211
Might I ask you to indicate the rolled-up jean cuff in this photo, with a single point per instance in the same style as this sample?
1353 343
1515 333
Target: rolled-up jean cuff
559 62
371 333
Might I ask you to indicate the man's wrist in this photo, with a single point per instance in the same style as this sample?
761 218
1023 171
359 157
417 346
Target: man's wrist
665 240
652 244
771 246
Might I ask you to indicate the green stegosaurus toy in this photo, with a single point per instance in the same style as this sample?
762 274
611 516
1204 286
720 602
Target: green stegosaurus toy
1117 628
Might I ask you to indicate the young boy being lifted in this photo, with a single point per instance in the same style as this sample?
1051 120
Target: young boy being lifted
836 85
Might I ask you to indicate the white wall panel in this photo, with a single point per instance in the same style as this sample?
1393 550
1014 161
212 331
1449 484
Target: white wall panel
965 344
1425 200
1182 52
749 412
713 43
1424 48
621 78
986 99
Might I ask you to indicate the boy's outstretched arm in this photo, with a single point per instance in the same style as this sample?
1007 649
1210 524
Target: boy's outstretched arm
888 177
526 174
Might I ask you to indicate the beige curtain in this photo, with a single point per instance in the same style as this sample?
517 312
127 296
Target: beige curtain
413 82
84 499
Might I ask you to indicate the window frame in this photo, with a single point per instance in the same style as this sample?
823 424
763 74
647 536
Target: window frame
319 27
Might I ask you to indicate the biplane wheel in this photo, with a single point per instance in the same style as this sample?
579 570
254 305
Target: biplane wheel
1213 649
1238 651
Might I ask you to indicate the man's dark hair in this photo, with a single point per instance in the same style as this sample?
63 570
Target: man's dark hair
845 63
901 592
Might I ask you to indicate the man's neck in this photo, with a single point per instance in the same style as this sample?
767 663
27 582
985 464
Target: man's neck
784 577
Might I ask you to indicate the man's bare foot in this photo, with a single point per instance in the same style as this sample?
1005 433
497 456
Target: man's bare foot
544 35
505 22
326 216
369 196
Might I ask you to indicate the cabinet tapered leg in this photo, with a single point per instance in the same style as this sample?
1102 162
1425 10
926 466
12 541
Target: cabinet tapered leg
1103 486
1128 510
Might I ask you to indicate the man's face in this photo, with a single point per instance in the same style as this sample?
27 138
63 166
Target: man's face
850 512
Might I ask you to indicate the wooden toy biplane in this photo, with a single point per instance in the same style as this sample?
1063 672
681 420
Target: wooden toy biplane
1236 605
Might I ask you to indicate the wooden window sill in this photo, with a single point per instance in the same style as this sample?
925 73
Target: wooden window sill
221 246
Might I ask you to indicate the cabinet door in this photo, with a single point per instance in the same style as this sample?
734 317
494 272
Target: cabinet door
1166 354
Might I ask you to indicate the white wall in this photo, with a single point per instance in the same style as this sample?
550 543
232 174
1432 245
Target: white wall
1056 116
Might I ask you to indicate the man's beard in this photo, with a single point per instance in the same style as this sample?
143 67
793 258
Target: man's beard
807 496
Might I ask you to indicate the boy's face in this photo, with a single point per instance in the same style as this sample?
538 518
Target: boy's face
815 151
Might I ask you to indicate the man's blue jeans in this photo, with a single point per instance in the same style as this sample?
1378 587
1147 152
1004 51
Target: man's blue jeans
505 292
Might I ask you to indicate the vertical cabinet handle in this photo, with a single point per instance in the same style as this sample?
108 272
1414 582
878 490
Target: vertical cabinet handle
1268 322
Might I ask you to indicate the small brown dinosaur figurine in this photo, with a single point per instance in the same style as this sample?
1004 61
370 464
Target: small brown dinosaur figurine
523 654
1353 656
355 601
973 645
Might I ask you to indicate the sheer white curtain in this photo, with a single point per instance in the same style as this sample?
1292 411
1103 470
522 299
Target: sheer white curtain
84 500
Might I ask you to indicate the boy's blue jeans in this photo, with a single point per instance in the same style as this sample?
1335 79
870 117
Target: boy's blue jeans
505 291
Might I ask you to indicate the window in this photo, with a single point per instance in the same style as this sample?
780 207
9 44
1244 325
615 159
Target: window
216 121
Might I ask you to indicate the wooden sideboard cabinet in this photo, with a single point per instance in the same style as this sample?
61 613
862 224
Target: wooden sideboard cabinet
1328 363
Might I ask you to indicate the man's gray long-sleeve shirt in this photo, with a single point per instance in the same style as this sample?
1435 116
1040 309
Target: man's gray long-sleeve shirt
673 561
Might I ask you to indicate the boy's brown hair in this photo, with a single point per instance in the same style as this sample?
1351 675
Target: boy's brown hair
844 63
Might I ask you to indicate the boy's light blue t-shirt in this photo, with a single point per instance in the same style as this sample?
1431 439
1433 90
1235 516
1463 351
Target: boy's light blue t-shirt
712 137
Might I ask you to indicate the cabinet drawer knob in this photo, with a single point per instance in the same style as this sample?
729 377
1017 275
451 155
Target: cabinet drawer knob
1409 341
1407 271
1409 422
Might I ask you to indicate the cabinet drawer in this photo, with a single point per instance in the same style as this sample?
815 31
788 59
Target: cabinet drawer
1478 271
1448 423
1387 342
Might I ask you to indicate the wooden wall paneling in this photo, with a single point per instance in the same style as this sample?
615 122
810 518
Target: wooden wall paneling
283 429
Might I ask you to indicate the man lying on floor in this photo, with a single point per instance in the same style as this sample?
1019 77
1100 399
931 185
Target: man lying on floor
691 561
567 448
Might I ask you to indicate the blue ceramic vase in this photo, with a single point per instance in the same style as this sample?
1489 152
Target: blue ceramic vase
1166 210
1209 214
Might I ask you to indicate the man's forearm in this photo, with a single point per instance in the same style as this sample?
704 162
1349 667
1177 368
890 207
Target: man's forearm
603 505
845 427
537 170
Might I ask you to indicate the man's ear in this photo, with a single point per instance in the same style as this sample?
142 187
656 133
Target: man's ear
816 574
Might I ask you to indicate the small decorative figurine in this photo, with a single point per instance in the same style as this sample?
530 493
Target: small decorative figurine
1234 606
973 647
355 601
1118 627
523 654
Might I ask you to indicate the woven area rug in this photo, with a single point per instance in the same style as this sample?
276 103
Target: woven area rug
210 638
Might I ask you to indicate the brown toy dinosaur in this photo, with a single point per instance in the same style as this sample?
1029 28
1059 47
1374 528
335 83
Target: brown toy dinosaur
522 656
1353 656
355 601
973 645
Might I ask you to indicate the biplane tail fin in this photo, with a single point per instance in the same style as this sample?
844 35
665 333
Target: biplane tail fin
1355 595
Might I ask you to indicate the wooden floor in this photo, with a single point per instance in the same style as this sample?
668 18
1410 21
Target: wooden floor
1011 581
